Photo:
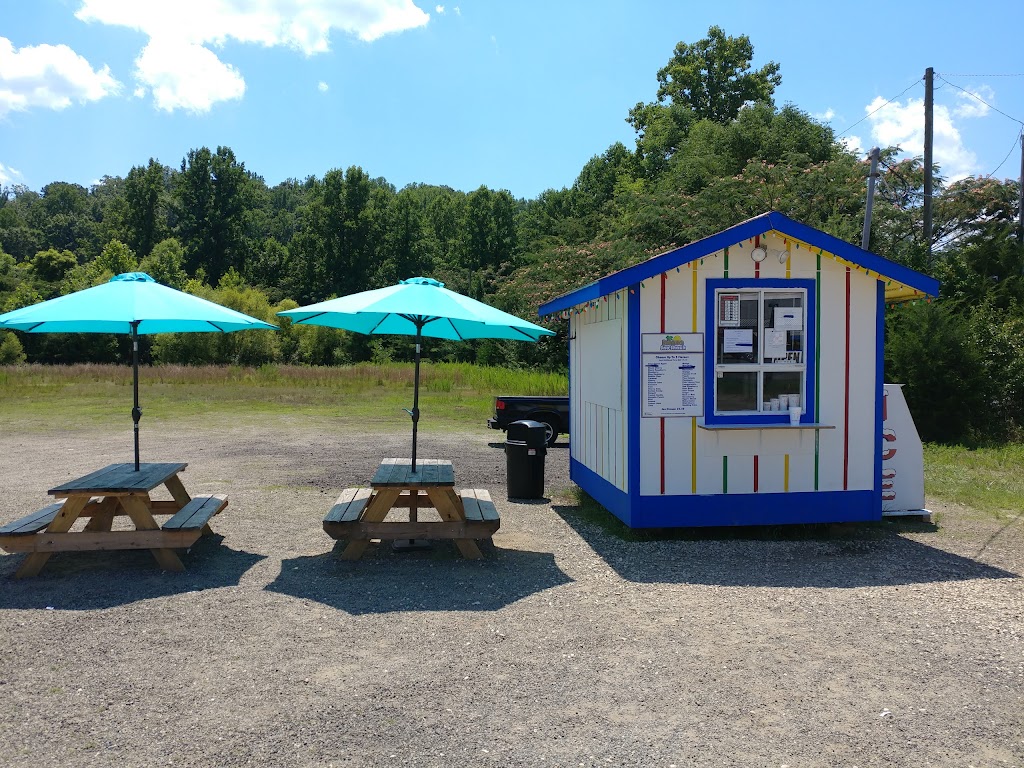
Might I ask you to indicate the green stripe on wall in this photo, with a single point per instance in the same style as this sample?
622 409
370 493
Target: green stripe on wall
725 474
726 274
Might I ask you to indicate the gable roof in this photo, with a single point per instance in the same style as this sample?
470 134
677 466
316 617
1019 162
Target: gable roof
905 283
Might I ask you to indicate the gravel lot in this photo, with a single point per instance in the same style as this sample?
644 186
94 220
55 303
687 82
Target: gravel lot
565 646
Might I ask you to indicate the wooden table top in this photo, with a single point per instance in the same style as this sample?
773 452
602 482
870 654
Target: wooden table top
119 479
430 473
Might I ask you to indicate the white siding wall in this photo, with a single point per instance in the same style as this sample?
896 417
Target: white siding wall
597 354
704 469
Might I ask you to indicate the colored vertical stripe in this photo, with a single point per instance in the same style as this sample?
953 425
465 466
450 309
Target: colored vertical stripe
726 273
725 474
756 473
846 396
817 369
785 474
757 264
664 280
693 421
788 260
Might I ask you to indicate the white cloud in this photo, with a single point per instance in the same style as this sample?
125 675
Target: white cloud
458 11
970 106
903 125
824 117
439 9
186 76
8 175
189 28
322 87
49 76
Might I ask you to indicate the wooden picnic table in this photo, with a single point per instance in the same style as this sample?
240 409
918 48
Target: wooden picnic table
359 514
115 490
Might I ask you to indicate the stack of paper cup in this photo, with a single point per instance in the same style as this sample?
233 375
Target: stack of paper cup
783 402
794 414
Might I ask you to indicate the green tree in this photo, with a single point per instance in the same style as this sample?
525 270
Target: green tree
211 194
711 79
116 258
146 197
165 263
51 265
11 351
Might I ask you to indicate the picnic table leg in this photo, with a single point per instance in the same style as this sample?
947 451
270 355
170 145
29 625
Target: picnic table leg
374 512
449 507
103 517
139 512
62 523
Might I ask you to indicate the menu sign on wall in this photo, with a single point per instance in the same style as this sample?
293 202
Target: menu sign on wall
672 381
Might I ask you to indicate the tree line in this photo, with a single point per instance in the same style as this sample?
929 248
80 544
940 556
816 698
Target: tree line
711 149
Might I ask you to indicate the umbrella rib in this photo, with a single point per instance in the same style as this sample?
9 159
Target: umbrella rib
519 330
456 330
311 317
216 326
375 327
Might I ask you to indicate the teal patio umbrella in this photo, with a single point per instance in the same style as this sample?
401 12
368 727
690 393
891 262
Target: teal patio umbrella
417 307
135 304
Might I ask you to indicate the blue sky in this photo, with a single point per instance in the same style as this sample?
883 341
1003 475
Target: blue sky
512 95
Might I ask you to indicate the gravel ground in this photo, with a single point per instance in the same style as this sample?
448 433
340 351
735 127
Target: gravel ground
565 646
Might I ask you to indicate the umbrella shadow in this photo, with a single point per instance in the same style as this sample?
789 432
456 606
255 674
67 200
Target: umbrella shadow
855 555
438 579
81 581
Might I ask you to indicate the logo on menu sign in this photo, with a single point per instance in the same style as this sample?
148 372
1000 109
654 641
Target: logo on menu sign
673 343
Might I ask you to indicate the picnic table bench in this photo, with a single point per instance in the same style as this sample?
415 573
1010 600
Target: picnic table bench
116 490
359 515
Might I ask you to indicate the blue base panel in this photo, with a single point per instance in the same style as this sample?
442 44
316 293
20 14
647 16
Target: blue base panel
727 509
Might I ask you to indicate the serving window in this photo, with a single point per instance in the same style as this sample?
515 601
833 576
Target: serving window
760 350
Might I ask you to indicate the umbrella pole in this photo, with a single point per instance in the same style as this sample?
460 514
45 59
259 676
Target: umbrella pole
136 411
416 394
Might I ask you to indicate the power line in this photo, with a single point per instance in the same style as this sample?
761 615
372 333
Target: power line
1013 74
869 114
976 96
1012 148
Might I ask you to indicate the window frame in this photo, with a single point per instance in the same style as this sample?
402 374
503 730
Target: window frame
730 285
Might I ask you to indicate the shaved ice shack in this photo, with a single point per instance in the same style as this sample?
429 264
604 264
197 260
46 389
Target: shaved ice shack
736 380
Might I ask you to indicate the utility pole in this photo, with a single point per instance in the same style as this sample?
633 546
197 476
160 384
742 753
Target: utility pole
1020 202
928 107
865 236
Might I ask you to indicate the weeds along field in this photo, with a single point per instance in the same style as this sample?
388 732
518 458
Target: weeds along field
458 394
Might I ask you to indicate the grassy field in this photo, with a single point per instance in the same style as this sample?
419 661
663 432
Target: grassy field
453 394
989 481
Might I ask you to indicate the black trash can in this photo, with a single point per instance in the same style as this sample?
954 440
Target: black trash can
525 449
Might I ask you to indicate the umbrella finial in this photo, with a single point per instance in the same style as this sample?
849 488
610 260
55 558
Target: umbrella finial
422 281
132 277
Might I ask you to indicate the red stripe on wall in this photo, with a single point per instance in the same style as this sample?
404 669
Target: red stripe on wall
664 281
757 264
755 473
846 403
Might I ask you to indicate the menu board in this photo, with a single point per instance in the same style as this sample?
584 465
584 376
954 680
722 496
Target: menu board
728 310
672 380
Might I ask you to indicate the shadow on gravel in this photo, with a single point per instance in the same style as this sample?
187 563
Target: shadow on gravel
438 579
849 555
81 581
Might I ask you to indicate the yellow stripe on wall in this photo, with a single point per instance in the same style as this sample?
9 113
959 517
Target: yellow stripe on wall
785 476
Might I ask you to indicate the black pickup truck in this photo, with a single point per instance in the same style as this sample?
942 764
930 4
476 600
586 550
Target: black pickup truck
552 411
